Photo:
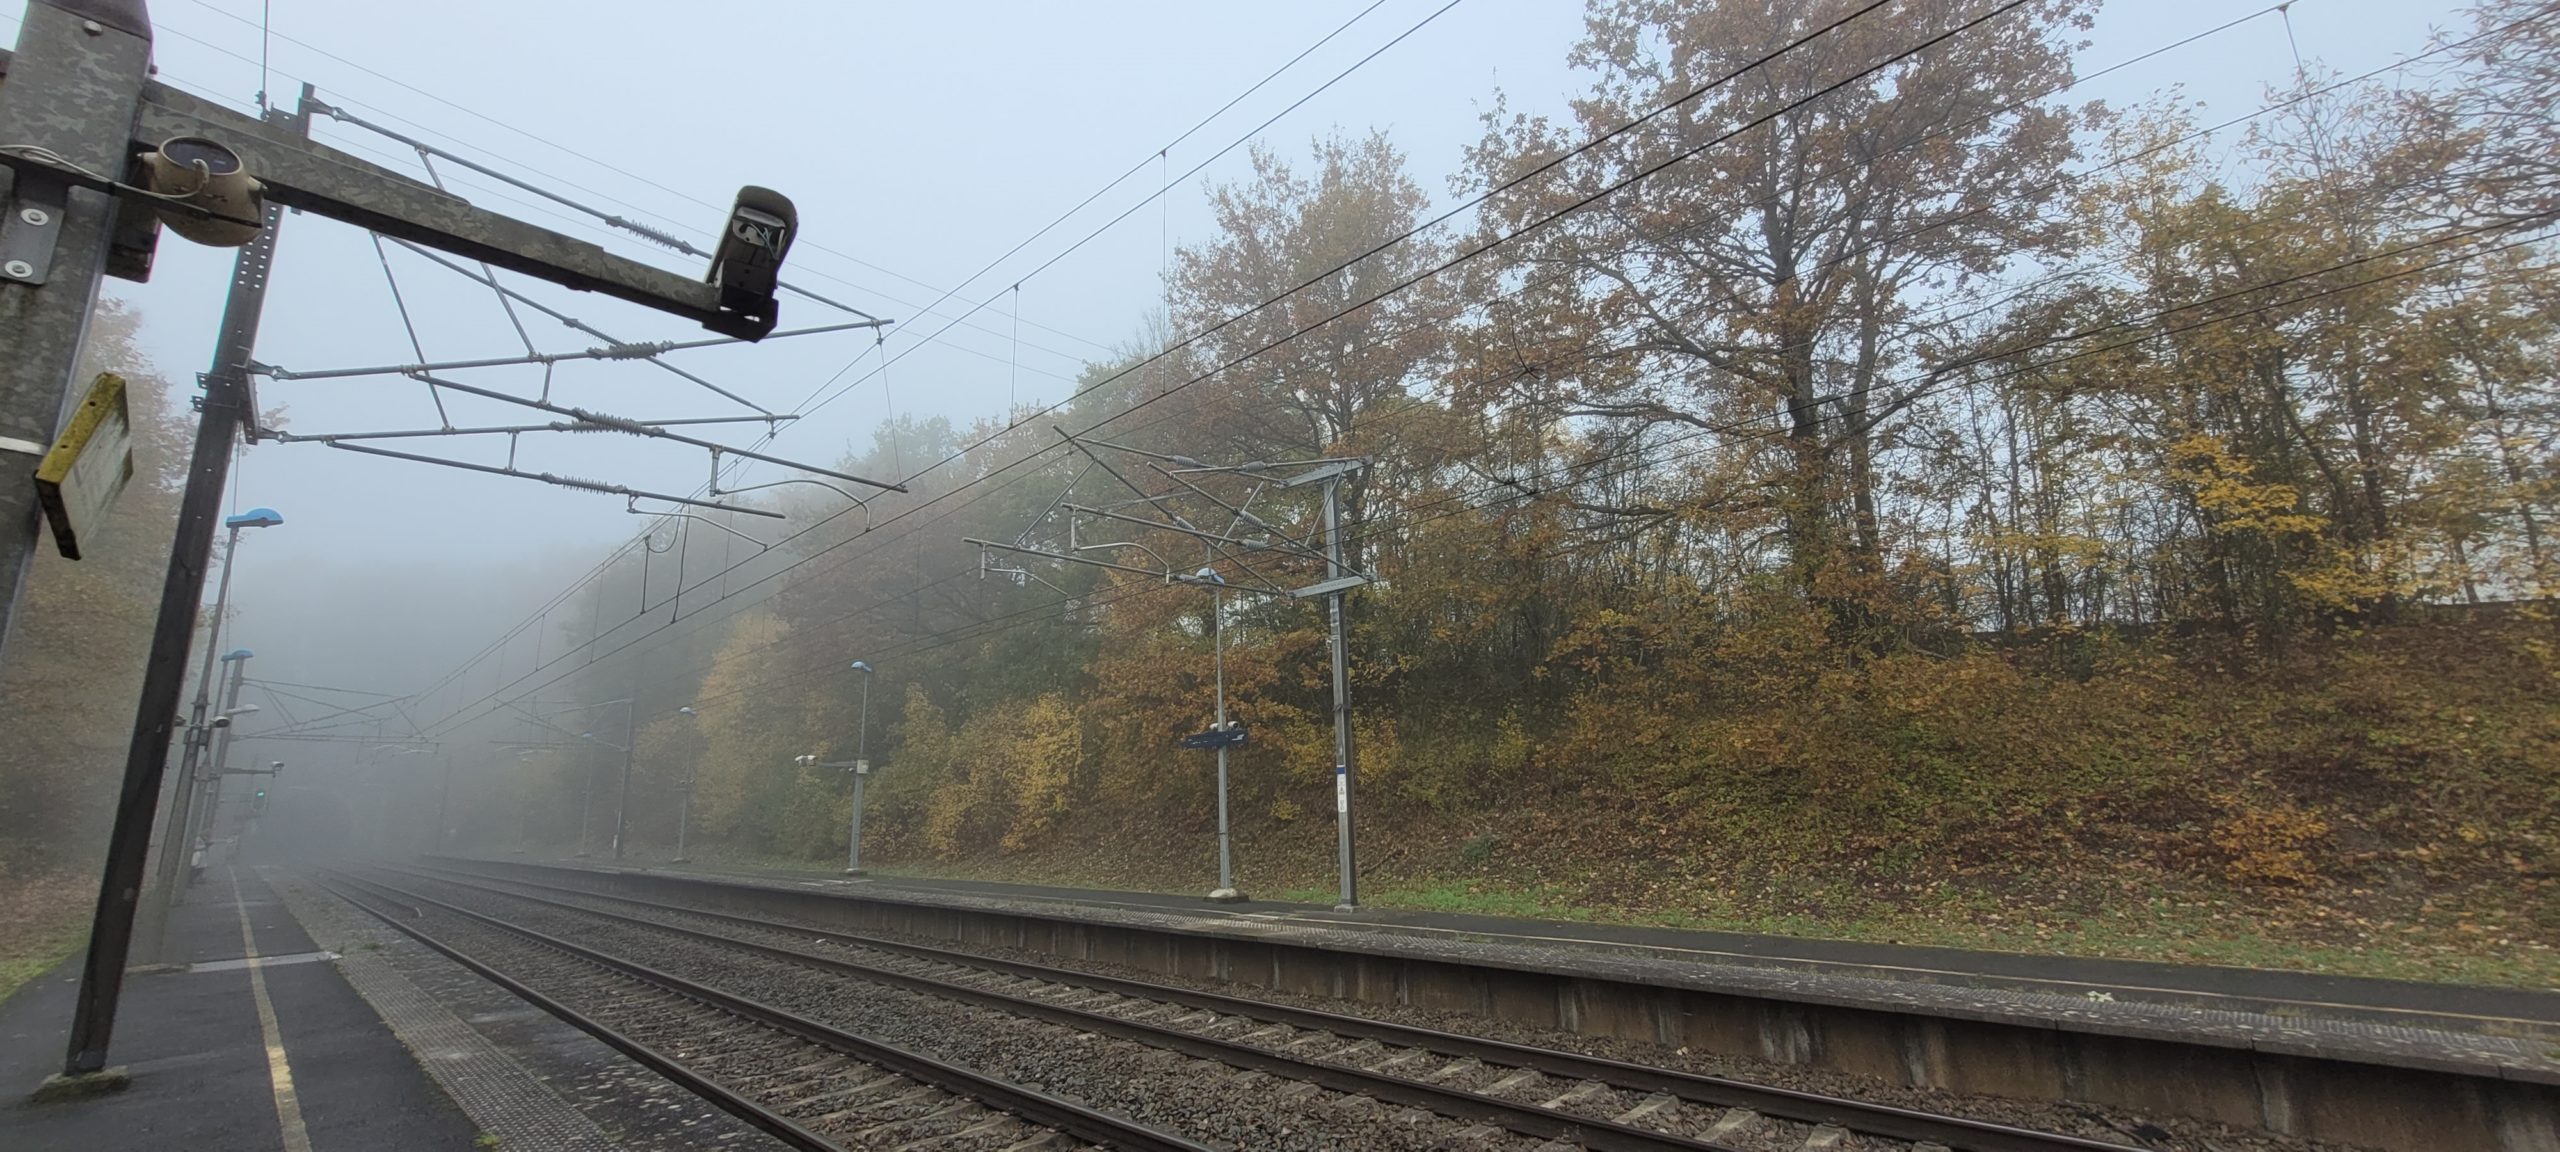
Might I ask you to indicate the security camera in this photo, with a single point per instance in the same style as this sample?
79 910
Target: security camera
747 267
196 173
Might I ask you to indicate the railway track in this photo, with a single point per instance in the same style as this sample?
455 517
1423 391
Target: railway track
809 1085
1565 1098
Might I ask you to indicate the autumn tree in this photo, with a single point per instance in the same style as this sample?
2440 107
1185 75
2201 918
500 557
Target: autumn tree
1777 262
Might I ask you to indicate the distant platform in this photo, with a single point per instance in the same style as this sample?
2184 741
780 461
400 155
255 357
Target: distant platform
2486 1022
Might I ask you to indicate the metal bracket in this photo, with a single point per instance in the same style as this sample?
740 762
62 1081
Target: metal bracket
33 226
1329 587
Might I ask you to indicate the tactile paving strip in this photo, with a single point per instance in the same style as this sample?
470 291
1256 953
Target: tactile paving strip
498 1094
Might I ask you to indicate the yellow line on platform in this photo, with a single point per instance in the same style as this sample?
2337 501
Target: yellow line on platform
279 1074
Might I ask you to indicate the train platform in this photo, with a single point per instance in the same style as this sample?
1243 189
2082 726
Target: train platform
2461 1007
258 1043
296 1025
2481 1031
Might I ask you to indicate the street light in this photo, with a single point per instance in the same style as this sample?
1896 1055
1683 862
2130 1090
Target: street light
587 809
208 809
173 854
684 801
861 769
523 827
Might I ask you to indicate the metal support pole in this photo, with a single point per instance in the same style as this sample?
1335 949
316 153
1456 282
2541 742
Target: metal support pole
587 808
630 746
684 818
74 84
1226 891
861 769
182 593
444 803
1335 569
684 799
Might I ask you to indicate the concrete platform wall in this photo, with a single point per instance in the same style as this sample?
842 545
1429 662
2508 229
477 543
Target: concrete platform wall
2402 1109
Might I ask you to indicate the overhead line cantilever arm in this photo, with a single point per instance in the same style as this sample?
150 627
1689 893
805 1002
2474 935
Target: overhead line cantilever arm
505 430
300 174
1143 494
633 427
1168 576
553 478
620 351
573 322
623 222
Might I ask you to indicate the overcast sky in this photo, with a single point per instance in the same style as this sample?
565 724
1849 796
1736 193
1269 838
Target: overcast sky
920 142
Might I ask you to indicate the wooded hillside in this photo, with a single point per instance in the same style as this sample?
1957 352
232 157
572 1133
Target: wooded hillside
1883 494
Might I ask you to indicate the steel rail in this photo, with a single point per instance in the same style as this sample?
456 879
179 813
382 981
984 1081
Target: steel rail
1956 1132
1527 1119
770 1122
1033 1107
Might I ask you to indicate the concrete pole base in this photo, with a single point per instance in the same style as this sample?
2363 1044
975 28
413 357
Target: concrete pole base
1346 907
680 860
1227 896
61 1089
855 872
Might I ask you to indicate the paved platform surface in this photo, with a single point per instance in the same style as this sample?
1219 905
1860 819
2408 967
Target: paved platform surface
2496 1032
527 1077
199 1057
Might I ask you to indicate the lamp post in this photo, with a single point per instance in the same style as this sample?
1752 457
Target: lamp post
622 796
587 805
621 804
1225 893
684 798
444 805
200 835
174 846
861 769
524 832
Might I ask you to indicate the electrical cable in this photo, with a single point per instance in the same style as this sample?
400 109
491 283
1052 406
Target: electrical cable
1944 377
1694 93
2147 55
